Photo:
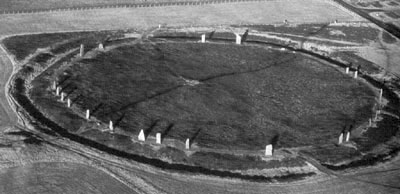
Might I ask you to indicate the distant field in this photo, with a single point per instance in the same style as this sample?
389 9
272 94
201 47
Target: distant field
264 12
59 178
41 5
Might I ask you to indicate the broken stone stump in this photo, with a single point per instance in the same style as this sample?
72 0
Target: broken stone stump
101 46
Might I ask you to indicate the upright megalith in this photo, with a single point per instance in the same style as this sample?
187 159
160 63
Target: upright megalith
58 90
82 50
158 138
87 114
141 136
348 136
347 70
111 126
268 150
203 38
380 95
340 138
54 87
355 74
69 103
187 144
62 96
238 39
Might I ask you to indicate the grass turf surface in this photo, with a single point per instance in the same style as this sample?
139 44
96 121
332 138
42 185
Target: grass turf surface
245 97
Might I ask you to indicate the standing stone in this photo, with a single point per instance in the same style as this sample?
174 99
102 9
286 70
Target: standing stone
62 96
347 70
158 138
238 39
348 136
87 114
203 38
187 144
54 87
380 95
355 74
340 139
370 122
58 91
82 50
141 136
268 150
69 103
111 126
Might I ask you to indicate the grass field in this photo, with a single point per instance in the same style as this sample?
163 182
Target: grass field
56 43
40 5
206 15
59 178
245 96
362 34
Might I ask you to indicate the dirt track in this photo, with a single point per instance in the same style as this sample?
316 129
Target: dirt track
7 116
175 183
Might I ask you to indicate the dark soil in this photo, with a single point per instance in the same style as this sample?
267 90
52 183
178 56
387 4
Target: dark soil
246 96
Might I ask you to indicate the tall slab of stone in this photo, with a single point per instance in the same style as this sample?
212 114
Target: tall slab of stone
268 150
141 136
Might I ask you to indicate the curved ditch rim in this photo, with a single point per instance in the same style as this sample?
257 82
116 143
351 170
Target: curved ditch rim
18 90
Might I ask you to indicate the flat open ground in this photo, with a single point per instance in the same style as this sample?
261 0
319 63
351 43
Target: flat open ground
59 178
7 116
296 11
